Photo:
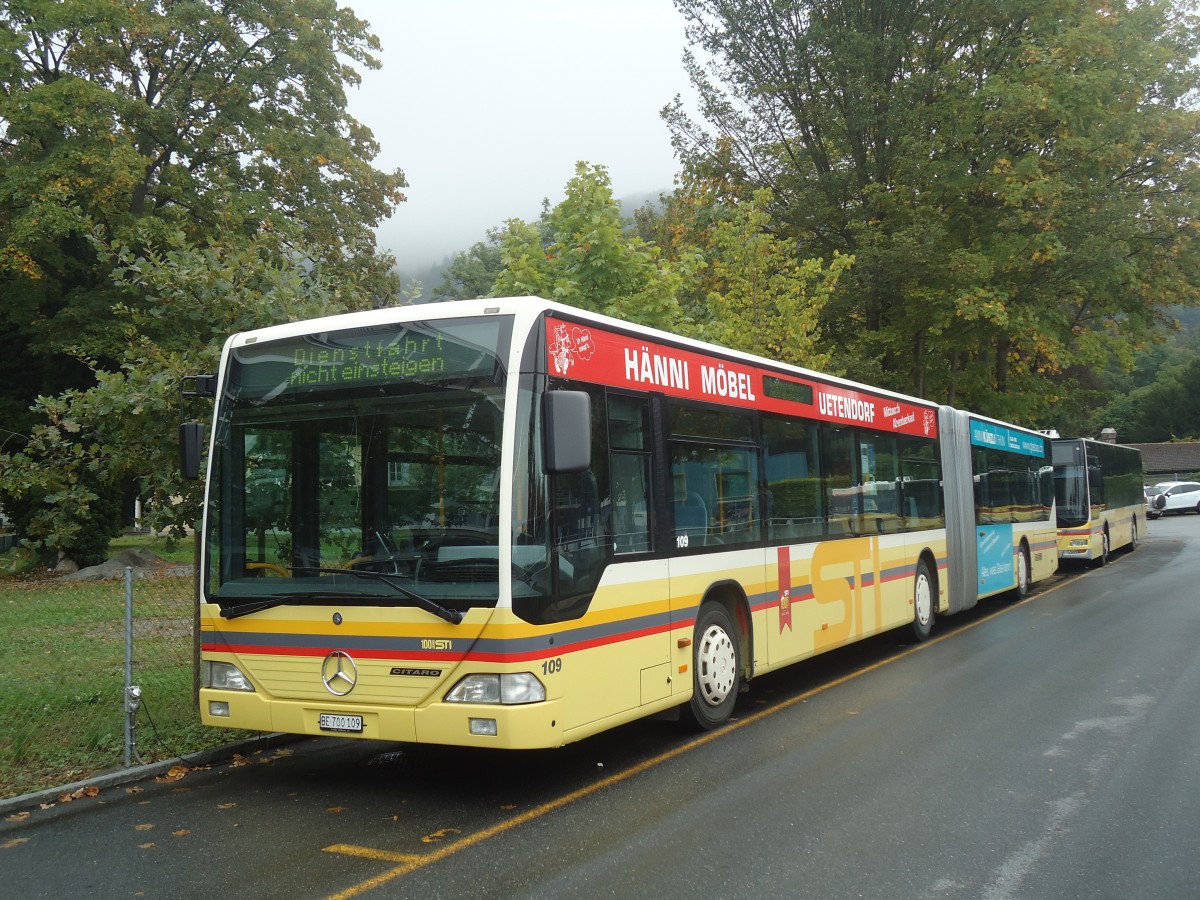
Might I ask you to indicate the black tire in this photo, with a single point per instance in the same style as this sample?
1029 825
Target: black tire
1105 550
1023 571
924 602
716 669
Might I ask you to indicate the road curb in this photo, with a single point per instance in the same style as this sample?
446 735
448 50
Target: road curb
150 770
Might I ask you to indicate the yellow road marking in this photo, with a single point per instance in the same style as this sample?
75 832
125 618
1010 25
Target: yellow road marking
409 863
368 853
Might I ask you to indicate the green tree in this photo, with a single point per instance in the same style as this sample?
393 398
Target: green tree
1167 409
122 430
168 172
748 285
765 299
582 255
131 121
1016 181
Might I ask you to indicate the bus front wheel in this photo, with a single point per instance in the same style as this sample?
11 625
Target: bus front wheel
924 592
1105 549
716 666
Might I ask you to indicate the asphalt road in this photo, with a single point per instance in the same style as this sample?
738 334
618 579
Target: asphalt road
1042 749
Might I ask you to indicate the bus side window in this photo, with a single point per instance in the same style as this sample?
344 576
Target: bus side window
793 480
839 480
630 502
629 468
880 508
920 484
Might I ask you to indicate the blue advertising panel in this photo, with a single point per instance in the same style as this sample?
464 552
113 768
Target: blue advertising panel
996 551
1000 437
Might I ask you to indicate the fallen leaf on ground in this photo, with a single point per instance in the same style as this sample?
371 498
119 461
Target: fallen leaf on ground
172 774
15 842
182 832
90 791
17 817
143 827
336 809
439 834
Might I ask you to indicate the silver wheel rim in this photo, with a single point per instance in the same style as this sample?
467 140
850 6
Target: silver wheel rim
1022 572
923 598
716 665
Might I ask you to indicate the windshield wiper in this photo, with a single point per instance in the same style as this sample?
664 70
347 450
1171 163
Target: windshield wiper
453 616
245 609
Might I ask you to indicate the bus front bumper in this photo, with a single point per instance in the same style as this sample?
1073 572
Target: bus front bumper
511 727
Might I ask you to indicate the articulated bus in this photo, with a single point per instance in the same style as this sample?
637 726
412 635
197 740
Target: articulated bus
508 523
1099 498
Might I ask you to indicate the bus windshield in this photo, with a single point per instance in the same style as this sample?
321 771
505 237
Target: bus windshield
362 466
1071 474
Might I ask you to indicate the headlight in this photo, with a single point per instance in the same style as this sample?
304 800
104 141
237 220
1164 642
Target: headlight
225 677
521 687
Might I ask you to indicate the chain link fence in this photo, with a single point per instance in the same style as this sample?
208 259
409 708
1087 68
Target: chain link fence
96 676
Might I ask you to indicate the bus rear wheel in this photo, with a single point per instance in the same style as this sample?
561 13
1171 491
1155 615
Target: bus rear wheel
924 591
1022 572
716 668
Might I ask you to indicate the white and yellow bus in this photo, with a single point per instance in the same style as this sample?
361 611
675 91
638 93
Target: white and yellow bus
1100 503
508 523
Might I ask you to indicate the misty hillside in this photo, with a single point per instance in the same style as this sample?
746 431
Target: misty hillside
431 276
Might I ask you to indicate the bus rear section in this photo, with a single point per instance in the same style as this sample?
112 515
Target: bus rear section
1001 529
1099 497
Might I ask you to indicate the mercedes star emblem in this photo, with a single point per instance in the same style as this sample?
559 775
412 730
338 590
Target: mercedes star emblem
339 673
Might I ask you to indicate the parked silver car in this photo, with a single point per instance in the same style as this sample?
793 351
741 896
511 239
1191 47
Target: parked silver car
1151 494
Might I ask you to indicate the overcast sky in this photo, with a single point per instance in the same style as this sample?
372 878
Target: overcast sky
487 104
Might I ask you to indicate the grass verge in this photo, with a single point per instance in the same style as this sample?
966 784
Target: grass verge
62 661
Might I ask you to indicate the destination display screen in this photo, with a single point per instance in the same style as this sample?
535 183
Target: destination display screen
383 355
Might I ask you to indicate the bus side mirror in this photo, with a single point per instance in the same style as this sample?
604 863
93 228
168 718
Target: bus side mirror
191 434
568 431
191 448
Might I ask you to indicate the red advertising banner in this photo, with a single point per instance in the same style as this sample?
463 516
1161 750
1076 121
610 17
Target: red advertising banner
595 355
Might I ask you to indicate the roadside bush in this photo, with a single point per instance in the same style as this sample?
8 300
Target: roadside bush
77 523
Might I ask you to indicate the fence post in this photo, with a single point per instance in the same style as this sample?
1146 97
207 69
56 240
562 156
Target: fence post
133 693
